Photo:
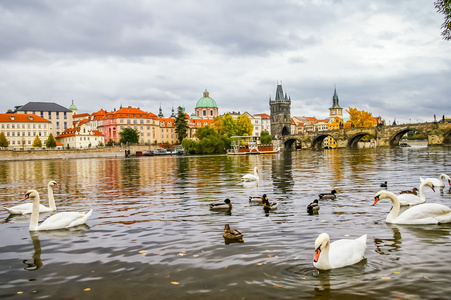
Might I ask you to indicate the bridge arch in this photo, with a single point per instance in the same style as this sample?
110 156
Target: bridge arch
394 139
318 141
288 144
353 141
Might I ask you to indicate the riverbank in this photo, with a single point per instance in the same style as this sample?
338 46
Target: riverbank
113 151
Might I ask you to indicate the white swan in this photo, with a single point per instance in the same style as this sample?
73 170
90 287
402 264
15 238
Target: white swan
26 208
427 213
60 220
411 199
250 177
338 254
438 182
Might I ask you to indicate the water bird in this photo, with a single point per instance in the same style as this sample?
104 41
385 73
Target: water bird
313 207
267 206
384 184
414 191
330 195
251 177
338 254
225 205
411 199
60 220
26 208
257 199
232 234
438 182
427 213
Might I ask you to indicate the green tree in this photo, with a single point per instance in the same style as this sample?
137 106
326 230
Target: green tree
244 126
110 142
37 142
229 125
51 142
3 141
444 7
191 146
265 137
129 135
181 124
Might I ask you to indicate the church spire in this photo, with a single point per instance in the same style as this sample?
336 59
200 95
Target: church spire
335 99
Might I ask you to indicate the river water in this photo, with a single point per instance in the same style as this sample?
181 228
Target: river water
152 235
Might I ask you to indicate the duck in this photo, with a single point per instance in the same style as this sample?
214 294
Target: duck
257 199
269 205
338 254
438 182
313 207
62 220
384 184
232 234
411 199
26 208
414 191
225 205
251 177
426 213
330 195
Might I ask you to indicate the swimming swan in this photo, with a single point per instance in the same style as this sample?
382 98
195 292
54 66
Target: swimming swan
427 213
250 177
26 208
411 199
60 220
338 254
438 182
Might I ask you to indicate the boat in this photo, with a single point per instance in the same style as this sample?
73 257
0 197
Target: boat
163 151
245 145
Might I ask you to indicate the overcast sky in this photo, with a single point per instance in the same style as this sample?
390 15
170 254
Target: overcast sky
385 57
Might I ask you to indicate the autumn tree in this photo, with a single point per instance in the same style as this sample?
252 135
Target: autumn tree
51 142
3 141
37 142
360 118
181 124
218 125
444 7
244 125
229 125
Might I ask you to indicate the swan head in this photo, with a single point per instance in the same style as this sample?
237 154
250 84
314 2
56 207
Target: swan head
429 184
321 242
383 195
30 194
53 183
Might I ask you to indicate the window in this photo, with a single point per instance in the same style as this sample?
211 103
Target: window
65 116
50 115
57 115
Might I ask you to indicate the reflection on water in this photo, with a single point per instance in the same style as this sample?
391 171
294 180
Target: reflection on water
152 234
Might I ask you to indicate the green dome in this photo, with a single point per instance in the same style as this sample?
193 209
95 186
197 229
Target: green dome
72 106
206 101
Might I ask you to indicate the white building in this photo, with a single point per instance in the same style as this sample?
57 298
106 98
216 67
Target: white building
81 137
21 130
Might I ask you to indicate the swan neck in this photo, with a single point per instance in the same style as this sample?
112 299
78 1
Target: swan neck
35 214
422 197
52 205
393 214
323 259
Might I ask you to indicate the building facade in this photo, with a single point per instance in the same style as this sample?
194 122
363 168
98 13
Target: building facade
21 130
60 117
280 112
81 137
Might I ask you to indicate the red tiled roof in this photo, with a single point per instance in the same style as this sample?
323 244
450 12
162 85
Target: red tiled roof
73 131
22 118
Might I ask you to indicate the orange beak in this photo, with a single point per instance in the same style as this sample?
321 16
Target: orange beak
317 253
25 198
376 199
432 187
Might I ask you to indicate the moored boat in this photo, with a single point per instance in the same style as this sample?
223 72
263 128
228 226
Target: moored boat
245 145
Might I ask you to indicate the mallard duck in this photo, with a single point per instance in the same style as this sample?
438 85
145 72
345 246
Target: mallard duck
384 184
226 205
232 234
313 207
414 191
269 205
257 199
330 195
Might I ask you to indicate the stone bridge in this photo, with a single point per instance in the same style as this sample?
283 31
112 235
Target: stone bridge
438 133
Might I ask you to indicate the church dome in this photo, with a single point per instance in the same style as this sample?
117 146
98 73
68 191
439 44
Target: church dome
72 106
206 101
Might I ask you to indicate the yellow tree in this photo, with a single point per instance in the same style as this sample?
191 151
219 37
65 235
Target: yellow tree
360 118
218 125
244 125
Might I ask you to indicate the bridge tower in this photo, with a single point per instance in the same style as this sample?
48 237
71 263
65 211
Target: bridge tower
280 110
335 111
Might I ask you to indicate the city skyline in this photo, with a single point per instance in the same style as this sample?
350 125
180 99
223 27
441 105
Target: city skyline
386 58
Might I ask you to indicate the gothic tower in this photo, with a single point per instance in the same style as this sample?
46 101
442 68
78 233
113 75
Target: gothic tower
280 109
335 111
